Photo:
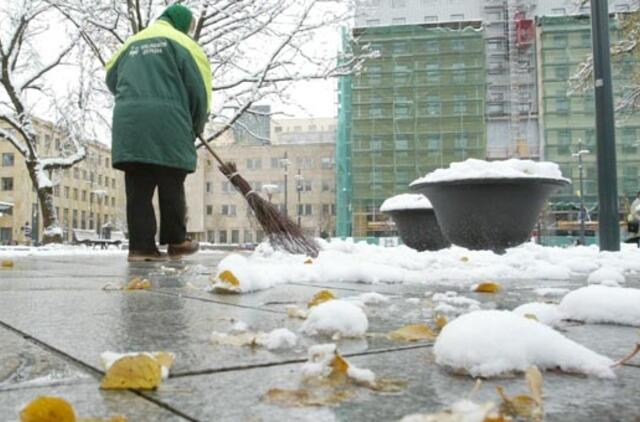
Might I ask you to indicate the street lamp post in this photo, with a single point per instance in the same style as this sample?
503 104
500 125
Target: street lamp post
284 163
579 155
299 187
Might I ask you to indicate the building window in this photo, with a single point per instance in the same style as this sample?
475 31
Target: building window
376 143
84 195
398 21
222 236
235 236
209 209
398 4
326 186
305 209
461 142
457 17
7 183
278 129
560 40
305 162
433 73
254 163
430 19
229 210
434 143
402 142
327 163
564 141
562 105
8 159
559 11
459 104
248 236
457 45
226 187
433 105
113 201
458 72
113 183
433 47
373 22
275 162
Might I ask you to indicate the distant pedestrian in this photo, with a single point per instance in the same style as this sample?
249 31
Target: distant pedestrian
633 219
161 80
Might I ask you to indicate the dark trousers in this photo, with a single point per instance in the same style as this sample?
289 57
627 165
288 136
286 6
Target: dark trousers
141 181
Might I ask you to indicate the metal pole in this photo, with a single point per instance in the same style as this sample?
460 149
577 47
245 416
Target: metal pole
299 187
286 189
609 229
582 210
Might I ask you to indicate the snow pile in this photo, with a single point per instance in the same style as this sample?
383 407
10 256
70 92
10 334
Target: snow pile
601 304
450 303
546 313
280 338
321 358
336 317
551 291
406 201
369 298
494 343
607 276
480 169
342 261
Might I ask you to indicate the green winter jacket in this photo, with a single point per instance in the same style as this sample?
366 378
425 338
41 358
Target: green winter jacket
161 80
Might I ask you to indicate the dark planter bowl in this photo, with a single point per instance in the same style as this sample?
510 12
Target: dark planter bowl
488 214
418 229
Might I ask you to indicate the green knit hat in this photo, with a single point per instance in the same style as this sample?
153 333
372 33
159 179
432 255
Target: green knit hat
178 16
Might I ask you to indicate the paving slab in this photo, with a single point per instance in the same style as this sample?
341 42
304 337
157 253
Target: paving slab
88 401
614 341
84 324
24 364
238 395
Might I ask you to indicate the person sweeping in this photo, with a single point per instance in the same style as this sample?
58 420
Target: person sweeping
161 80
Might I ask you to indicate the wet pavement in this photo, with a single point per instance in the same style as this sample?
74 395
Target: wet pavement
56 319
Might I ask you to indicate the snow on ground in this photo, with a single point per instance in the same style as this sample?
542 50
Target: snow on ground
406 201
601 304
551 291
347 261
546 313
495 343
336 317
480 169
606 275
451 303
56 250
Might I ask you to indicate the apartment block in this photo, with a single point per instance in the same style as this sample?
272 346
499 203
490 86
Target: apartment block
87 196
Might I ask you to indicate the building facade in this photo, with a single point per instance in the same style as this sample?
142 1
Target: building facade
477 80
296 162
86 196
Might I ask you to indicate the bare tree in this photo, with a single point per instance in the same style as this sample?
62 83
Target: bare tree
628 46
23 86
257 48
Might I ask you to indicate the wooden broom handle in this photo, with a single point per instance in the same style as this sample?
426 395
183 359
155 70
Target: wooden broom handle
207 146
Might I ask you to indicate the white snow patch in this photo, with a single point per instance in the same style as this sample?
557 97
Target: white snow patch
606 274
280 338
601 304
413 300
336 317
551 291
406 201
239 327
494 343
480 169
450 303
546 313
319 365
371 298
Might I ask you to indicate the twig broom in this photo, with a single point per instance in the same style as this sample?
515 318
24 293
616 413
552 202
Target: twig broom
282 232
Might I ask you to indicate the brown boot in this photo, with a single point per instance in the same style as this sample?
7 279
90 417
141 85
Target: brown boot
147 256
187 247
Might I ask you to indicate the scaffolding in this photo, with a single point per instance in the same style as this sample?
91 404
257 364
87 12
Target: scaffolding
564 43
416 107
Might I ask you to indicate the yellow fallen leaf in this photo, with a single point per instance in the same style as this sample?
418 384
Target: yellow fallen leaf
308 261
7 263
294 311
339 367
413 332
246 338
228 277
464 259
488 287
534 381
303 397
138 284
139 372
440 321
531 316
165 359
48 409
320 297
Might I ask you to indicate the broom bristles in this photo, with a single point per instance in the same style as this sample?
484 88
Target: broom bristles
282 232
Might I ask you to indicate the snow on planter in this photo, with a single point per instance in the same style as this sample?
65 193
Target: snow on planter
406 201
506 169
546 313
495 343
601 304
336 318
